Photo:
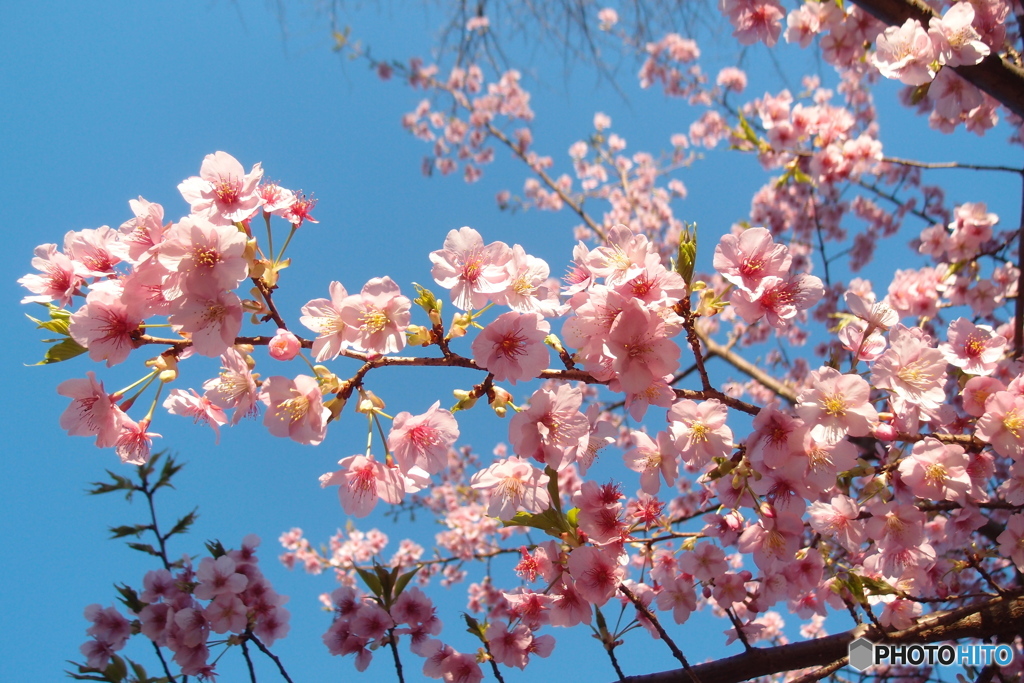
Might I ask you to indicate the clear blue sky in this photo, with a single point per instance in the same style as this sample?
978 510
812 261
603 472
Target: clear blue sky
103 102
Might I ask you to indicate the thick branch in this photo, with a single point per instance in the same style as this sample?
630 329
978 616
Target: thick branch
999 616
998 77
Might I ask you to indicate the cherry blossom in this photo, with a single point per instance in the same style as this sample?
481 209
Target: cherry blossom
362 481
223 192
513 484
473 272
512 346
294 409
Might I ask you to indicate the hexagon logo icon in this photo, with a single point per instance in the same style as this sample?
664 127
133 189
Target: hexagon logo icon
862 654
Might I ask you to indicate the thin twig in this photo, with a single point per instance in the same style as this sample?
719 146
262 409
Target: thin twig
394 652
248 661
263 648
676 652
572 204
163 662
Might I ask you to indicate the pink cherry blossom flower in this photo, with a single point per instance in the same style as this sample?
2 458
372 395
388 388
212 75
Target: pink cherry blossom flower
199 408
976 393
377 316
512 346
144 232
700 431
836 405
677 594
746 259
105 325
202 257
362 481
1011 540
621 258
473 272
551 430
771 439
905 53
274 198
654 460
234 388
227 613
639 346
527 290
223 192
134 442
953 97
511 648
284 345
92 411
423 440
57 278
95 252
911 369
596 574
838 519
778 299
513 484
213 321
295 409
298 212
974 348
956 41
1002 425
936 471
323 316
218 577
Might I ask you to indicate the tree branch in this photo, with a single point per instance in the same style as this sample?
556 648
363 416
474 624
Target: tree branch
998 616
998 77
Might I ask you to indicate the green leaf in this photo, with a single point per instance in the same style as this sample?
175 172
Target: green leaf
857 588
63 351
403 581
130 598
371 581
216 549
144 548
556 501
183 524
877 586
135 530
549 521
475 627
170 468
139 671
119 484
572 516
60 326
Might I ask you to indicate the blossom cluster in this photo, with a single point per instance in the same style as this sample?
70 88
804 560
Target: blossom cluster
183 609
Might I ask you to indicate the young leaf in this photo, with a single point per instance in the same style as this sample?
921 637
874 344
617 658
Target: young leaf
63 351
403 581
183 524
144 548
371 581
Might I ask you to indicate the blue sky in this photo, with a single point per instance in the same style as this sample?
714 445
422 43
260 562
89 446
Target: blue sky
103 102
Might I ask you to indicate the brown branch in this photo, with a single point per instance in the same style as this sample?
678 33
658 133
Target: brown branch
1002 616
748 368
999 77
644 610
569 201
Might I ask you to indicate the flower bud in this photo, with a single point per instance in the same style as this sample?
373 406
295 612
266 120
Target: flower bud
284 345
335 405
460 325
466 400
687 254
500 401
369 402
166 366
417 335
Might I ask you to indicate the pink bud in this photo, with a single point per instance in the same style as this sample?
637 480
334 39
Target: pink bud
284 345
885 432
